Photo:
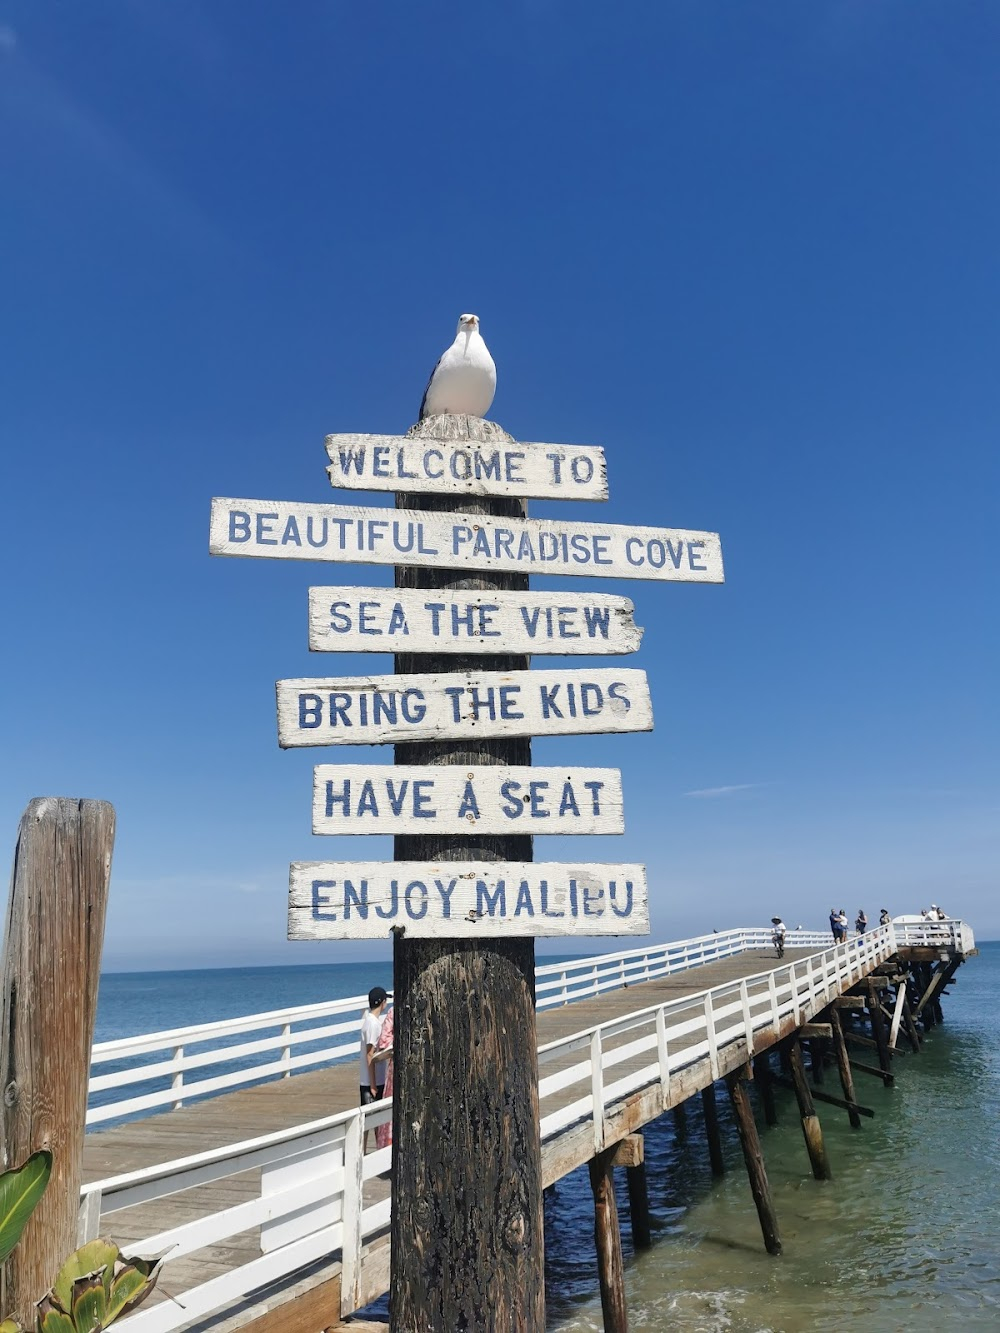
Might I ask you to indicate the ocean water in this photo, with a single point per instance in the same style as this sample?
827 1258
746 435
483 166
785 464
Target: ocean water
905 1237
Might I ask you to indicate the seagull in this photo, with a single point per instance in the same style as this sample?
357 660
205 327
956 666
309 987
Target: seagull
465 378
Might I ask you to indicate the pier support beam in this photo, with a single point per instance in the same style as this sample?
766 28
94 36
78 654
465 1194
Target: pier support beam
844 1065
631 1154
712 1131
754 1158
812 1131
764 1081
878 1028
608 1240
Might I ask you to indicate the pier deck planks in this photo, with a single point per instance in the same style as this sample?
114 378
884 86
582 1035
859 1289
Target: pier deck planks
251 1112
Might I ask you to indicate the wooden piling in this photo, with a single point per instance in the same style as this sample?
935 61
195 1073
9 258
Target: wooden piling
844 1065
631 1154
812 1131
764 1082
467 1235
754 1158
912 1031
712 1134
51 968
878 1028
607 1238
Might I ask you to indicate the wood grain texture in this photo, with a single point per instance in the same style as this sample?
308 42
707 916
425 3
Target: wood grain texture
383 620
493 465
374 798
289 530
51 968
379 710
467 1233
338 900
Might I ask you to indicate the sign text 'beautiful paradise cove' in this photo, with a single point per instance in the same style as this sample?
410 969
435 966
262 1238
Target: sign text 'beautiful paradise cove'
288 530
333 900
377 710
381 620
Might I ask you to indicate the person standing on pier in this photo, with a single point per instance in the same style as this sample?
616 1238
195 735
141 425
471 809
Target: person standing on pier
382 1058
883 917
835 924
842 922
861 921
370 1070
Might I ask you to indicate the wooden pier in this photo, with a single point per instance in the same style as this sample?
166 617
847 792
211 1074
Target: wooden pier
274 1219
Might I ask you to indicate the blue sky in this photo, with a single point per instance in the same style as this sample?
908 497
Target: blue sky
750 250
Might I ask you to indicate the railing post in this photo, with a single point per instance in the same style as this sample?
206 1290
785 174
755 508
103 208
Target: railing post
89 1219
286 1050
354 1160
597 1088
177 1082
713 1045
663 1057
793 983
772 990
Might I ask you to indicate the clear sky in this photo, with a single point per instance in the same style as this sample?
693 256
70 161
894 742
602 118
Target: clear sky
751 250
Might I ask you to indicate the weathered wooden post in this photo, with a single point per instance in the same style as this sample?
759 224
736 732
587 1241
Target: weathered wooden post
764 1079
812 1131
844 1065
608 1241
467 1234
51 969
714 1138
736 1082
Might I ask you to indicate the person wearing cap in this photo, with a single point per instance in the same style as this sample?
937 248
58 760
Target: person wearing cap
883 917
371 1070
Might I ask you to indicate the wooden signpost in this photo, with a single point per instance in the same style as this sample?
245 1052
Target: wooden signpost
378 710
432 798
495 466
386 620
464 898
283 529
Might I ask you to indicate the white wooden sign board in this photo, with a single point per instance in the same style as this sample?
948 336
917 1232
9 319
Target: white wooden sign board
332 900
387 620
379 710
489 467
288 530
381 798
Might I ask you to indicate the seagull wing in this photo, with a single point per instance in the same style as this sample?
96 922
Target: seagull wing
423 401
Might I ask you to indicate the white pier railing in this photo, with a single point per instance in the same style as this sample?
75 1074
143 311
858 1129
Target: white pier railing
164 1070
314 1179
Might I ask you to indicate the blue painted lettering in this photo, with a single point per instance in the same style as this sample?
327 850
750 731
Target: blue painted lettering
491 904
239 525
320 899
469 808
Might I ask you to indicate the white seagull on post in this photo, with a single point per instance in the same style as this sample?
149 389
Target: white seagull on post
464 379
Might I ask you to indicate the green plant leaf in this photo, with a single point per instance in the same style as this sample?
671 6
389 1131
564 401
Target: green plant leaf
20 1191
54 1321
131 1286
90 1303
11 1326
97 1256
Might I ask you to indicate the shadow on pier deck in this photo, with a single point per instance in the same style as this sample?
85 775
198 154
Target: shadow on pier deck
289 1229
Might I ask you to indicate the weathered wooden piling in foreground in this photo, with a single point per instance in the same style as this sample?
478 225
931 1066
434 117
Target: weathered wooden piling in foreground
51 967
